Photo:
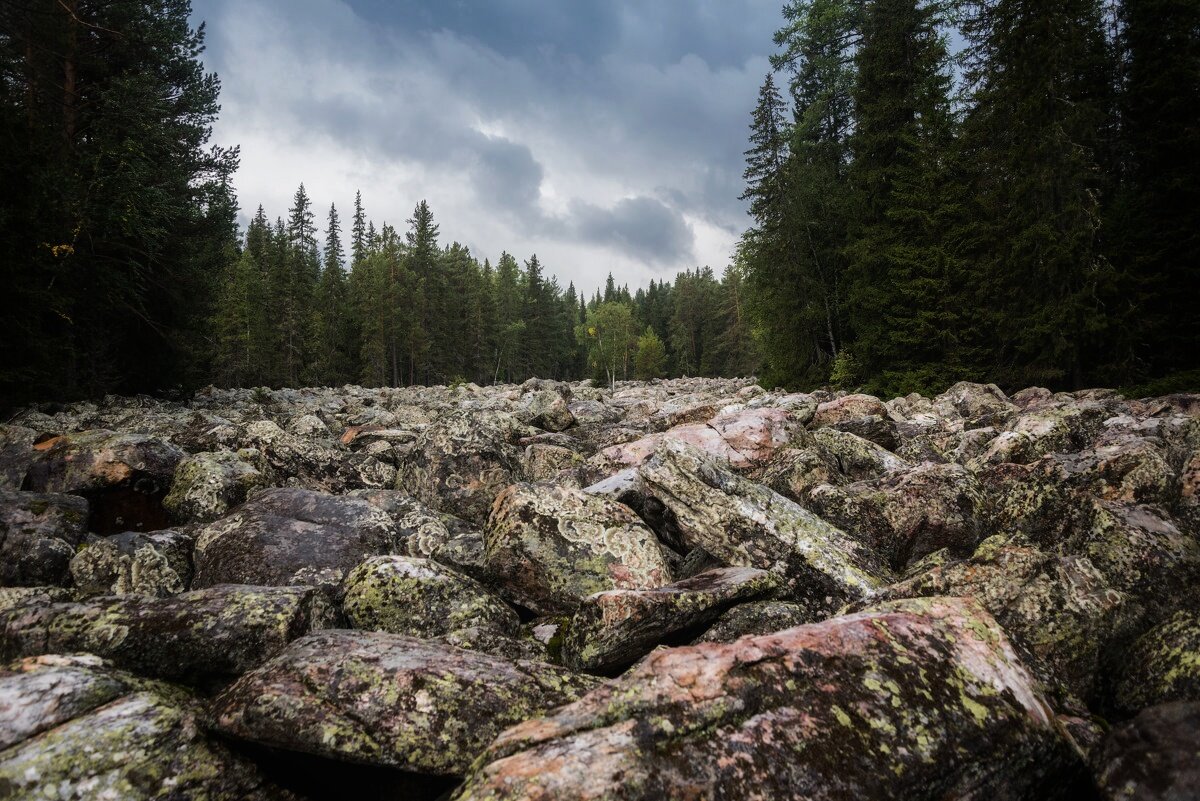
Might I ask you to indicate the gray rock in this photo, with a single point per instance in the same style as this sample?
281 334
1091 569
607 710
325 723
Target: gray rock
549 547
387 699
207 485
158 564
743 523
420 598
197 636
1152 757
293 536
39 533
758 617
613 629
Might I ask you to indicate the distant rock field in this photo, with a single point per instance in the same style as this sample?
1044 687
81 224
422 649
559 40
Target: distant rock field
686 589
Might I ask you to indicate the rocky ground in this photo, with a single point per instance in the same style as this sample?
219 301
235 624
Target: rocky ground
691 589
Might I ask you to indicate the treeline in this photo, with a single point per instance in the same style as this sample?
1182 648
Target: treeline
403 309
1035 222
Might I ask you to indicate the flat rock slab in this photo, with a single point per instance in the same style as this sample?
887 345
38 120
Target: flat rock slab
913 700
211 633
76 729
388 699
614 629
705 505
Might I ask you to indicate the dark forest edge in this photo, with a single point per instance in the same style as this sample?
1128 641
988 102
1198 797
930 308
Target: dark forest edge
1032 222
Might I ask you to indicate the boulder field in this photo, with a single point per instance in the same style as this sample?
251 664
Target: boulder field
684 589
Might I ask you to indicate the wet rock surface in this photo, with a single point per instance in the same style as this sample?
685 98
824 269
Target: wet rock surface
697 588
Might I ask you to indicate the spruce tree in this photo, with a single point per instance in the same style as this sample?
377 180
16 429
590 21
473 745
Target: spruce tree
335 347
1037 73
902 303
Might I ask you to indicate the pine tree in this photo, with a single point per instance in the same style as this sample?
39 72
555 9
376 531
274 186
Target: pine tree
358 232
300 273
510 322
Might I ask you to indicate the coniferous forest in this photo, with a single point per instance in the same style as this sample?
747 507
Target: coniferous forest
996 191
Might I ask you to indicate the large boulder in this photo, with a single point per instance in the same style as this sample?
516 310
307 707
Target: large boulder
207 485
292 536
1059 609
1152 757
977 405
197 636
549 547
387 699
16 455
419 597
39 533
461 463
907 516
699 503
746 440
857 458
76 729
613 629
1162 666
915 700
545 409
158 564
124 476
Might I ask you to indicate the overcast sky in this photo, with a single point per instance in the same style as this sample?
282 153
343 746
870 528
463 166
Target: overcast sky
600 134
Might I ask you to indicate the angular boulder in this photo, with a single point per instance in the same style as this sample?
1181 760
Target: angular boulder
124 476
292 536
613 629
158 564
387 699
1162 666
703 504
758 617
545 409
915 700
460 463
549 547
16 455
1152 757
197 636
75 729
207 485
420 598
39 533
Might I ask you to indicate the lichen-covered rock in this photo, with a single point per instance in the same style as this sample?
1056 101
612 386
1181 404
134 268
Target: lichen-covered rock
387 699
549 547
1141 553
796 472
542 462
207 485
419 597
1059 609
316 464
545 409
1153 757
857 458
1060 426
157 564
76 730
746 440
915 700
741 523
15 597
613 629
39 533
1162 666
199 635
906 516
978 405
124 476
16 455
292 536
862 415
461 463
759 617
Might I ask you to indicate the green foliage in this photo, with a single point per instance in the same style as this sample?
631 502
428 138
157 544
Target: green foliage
610 336
651 359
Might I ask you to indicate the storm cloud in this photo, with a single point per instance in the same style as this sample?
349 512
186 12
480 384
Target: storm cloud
603 135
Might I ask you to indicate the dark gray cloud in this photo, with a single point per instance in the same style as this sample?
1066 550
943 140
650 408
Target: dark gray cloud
602 134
